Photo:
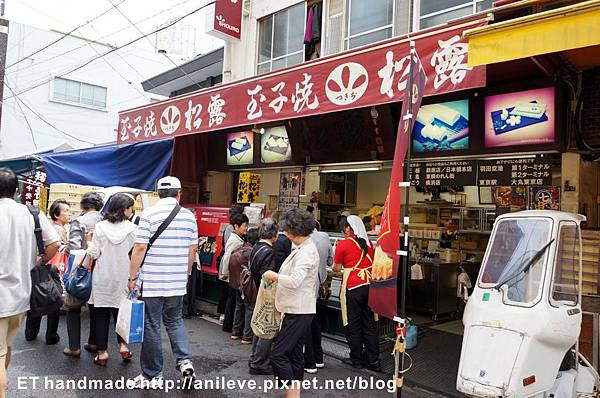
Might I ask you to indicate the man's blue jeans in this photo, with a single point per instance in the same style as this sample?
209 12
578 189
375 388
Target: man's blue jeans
167 309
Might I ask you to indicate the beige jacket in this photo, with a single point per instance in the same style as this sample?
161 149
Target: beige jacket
298 280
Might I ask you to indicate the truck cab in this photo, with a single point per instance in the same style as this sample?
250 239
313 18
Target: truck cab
524 315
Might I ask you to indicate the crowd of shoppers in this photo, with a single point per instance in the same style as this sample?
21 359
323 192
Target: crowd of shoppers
153 261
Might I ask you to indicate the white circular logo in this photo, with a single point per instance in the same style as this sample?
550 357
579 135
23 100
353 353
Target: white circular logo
170 119
347 83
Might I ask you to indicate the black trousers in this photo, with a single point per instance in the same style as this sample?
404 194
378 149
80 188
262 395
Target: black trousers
224 289
74 327
287 359
32 327
361 330
313 350
192 290
229 310
102 324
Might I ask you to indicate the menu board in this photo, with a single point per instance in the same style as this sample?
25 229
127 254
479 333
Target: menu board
240 148
515 172
520 118
289 190
446 174
442 127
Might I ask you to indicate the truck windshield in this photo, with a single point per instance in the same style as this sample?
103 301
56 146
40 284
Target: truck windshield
516 257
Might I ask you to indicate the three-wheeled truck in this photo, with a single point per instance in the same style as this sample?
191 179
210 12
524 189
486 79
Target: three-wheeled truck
523 320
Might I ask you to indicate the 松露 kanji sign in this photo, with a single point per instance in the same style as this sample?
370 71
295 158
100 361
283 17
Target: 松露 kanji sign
359 78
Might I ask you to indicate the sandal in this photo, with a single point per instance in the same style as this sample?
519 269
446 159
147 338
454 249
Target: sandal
126 354
100 361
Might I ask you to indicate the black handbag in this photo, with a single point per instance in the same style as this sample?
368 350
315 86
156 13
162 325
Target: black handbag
46 289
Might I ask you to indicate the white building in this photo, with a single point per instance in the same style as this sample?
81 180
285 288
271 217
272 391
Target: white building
65 94
273 30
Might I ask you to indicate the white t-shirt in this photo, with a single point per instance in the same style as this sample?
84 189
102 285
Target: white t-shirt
18 250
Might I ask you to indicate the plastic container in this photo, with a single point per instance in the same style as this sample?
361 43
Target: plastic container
411 337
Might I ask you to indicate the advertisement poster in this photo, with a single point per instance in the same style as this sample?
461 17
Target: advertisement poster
510 199
544 198
240 148
442 127
275 145
521 118
212 221
289 190
248 188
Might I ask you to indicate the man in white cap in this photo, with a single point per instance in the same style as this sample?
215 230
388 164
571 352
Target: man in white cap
164 251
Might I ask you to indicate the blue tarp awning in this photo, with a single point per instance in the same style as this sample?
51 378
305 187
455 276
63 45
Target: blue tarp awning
135 166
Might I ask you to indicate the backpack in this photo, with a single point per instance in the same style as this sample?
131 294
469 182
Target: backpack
247 285
46 289
237 261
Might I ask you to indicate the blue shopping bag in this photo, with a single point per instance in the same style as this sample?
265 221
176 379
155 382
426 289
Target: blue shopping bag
130 322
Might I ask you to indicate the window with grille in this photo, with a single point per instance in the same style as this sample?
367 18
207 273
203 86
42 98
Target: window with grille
76 92
281 39
430 13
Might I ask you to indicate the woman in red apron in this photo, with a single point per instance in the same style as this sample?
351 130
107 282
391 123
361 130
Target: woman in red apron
355 255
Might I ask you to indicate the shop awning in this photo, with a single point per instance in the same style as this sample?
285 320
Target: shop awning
135 166
561 29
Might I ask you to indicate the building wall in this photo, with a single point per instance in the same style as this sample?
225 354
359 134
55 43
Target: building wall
121 72
247 48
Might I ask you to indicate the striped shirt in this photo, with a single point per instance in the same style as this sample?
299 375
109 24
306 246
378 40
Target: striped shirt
164 272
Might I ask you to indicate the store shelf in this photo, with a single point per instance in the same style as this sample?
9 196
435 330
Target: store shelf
473 231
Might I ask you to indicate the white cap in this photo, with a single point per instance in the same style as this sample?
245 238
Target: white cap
168 182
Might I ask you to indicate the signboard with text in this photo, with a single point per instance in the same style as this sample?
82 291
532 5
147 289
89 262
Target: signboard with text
224 19
354 79
515 172
444 174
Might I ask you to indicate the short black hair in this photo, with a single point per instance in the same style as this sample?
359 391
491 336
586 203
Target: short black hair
238 219
252 236
91 201
268 228
54 211
8 183
117 205
298 222
236 209
168 193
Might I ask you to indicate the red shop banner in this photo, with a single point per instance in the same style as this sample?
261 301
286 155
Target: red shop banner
354 79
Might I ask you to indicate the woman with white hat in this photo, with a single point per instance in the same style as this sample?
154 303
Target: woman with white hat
355 255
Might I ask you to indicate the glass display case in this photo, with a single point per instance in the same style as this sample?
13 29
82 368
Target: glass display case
471 219
424 215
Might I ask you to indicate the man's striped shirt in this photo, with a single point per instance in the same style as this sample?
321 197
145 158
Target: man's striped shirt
164 272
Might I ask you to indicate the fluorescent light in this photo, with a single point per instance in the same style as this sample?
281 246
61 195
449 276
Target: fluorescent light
350 170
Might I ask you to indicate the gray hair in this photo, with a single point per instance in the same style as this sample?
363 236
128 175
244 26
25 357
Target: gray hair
268 228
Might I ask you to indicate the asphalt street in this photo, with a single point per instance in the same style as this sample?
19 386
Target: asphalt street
38 370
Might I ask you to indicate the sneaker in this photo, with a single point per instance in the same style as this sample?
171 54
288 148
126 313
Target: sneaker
222 319
320 365
141 382
312 371
186 368
90 347
246 340
235 336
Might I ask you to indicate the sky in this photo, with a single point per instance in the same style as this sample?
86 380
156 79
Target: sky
65 15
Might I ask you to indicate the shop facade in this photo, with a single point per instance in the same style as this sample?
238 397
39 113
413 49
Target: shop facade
321 134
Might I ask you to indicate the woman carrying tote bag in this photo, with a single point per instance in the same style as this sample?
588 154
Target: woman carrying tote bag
113 239
295 298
